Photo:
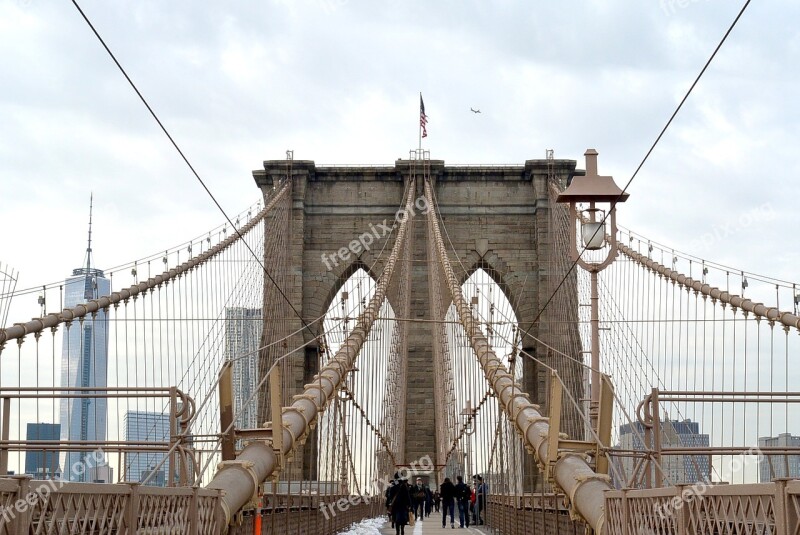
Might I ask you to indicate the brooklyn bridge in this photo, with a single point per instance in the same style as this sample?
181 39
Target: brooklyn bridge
419 320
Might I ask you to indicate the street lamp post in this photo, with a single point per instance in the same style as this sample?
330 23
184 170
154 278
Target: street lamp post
469 430
593 189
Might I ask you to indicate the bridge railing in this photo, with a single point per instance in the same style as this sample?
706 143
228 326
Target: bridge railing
305 514
170 454
52 506
537 513
772 508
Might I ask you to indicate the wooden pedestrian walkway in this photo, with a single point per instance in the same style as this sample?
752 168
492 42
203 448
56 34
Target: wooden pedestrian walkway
432 525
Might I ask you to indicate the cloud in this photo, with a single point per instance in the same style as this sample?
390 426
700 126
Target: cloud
337 81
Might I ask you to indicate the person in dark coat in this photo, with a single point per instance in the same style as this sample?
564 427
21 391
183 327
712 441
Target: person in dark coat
400 505
428 502
463 494
420 495
481 490
448 496
389 495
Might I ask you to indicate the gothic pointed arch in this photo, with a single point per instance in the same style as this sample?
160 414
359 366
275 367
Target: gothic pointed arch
497 269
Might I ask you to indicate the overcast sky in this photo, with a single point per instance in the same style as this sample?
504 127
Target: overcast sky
337 81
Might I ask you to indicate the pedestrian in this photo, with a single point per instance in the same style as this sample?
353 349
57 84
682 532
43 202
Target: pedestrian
390 490
428 501
419 496
437 499
481 491
462 497
400 506
472 507
448 495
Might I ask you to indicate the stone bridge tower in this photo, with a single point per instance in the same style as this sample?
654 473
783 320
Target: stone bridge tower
497 217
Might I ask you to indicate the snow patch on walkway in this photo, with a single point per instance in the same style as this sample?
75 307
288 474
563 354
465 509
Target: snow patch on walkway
370 526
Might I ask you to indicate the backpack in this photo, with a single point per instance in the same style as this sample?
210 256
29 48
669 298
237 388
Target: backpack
419 494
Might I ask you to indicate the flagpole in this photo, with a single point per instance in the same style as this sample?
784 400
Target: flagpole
420 125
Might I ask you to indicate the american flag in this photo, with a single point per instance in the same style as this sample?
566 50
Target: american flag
423 119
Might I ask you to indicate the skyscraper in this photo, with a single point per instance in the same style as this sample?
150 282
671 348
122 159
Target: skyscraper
687 468
84 363
776 466
42 464
142 426
242 338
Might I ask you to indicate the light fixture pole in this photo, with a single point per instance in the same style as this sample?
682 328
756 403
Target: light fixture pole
593 189
469 430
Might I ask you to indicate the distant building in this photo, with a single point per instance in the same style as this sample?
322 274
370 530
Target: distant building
242 338
776 466
141 426
43 464
101 473
155 477
676 434
84 363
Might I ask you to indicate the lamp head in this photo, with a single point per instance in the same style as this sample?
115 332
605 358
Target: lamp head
591 187
593 234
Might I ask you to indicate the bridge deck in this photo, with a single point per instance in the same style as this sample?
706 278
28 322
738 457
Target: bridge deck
432 525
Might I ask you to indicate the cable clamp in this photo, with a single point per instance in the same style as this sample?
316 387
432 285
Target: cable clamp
246 467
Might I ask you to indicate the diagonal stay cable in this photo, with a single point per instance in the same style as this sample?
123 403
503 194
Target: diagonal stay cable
349 396
641 164
186 161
